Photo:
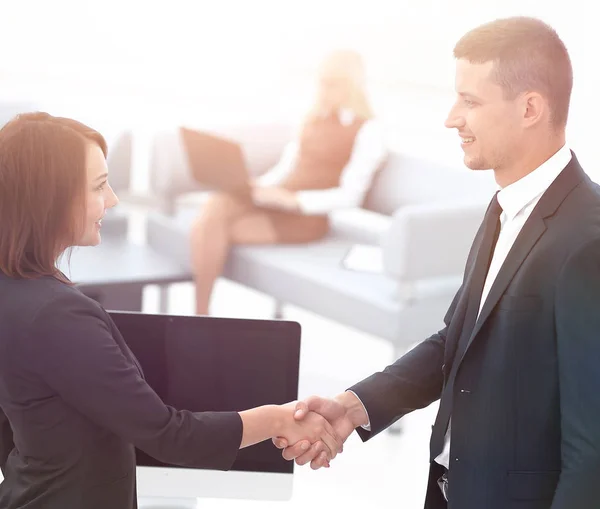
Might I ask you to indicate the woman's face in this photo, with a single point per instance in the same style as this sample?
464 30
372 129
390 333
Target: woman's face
333 91
99 195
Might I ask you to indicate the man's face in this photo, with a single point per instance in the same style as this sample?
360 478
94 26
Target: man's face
490 126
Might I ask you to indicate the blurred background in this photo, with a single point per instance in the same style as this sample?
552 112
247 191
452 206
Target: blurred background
141 66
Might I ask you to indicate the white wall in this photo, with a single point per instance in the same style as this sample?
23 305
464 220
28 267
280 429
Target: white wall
146 63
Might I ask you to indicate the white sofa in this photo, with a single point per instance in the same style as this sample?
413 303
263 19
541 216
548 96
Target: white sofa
424 217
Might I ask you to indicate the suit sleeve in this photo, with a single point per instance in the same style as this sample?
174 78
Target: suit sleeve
413 381
6 441
71 347
578 345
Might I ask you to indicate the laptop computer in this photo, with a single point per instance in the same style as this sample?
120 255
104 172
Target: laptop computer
201 363
215 162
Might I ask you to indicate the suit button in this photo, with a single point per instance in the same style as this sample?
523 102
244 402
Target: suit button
456 459
465 391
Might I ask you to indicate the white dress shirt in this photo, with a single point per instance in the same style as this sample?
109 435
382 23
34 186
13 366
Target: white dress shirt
368 153
517 201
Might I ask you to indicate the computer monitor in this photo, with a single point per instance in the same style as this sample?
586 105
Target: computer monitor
202 363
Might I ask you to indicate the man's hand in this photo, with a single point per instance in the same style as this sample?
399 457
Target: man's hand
312 428
345 413
275 198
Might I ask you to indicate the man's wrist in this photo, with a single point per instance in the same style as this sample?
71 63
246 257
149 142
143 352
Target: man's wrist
354 408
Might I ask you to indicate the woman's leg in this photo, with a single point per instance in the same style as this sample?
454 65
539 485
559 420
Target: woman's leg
223 221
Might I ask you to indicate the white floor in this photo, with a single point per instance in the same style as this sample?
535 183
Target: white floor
388 469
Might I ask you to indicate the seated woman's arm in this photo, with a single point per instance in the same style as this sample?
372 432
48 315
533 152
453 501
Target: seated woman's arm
368 154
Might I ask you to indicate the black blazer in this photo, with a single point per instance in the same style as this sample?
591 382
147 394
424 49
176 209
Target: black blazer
524 387
74 404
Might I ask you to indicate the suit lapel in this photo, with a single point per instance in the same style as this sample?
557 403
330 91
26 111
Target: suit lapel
532 230
458 319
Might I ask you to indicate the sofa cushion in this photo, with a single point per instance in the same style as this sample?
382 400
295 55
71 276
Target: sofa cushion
360 225
406 180
311 276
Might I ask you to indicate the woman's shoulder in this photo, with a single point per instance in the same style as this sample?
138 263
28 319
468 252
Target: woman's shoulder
65 299
371 133
36 313
370 123
30 297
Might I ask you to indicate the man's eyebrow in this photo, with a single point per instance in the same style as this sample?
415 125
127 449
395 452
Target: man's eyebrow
471 96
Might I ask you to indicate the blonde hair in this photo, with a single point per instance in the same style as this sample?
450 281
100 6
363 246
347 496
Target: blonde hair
347 66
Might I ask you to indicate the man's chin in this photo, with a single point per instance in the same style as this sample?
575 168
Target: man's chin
476 164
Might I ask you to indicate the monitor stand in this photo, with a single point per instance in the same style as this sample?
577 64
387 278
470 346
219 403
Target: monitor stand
167 503
190 488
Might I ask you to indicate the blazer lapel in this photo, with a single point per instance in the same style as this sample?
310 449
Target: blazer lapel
528 237
458 319
532 230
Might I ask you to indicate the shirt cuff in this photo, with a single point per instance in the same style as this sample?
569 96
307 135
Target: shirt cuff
366 427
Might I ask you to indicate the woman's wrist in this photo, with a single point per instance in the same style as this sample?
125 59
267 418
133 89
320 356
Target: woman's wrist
262 423
278 417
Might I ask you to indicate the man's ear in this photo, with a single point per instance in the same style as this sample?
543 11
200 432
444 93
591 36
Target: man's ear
534 108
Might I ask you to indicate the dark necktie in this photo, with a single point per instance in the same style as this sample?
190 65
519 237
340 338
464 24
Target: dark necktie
491 231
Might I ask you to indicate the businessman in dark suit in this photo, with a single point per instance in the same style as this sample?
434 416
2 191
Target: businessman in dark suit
516 368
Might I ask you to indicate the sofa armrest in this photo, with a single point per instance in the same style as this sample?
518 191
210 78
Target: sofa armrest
359 226
430 240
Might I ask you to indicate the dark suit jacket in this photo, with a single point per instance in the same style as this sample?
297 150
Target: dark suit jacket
524 387
74 404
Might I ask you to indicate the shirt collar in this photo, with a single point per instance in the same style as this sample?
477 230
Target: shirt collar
515 197
345 116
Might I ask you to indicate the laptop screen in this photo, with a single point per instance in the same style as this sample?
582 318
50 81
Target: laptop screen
215 162
202 363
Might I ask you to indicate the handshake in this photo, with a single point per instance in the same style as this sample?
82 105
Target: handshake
319 428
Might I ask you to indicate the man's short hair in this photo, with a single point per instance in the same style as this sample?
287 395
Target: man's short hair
528 56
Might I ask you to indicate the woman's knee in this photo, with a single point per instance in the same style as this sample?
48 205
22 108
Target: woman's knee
222 205
219 211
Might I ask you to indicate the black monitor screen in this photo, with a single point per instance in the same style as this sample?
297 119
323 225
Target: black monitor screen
201 363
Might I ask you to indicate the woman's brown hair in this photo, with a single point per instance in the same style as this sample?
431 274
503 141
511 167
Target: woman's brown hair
43 178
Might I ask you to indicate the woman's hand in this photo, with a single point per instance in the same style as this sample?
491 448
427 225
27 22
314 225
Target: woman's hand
275 198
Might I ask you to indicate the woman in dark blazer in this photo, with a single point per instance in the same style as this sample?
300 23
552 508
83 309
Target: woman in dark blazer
74 403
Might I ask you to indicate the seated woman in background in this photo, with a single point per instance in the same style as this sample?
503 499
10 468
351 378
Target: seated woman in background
73 399
330 166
